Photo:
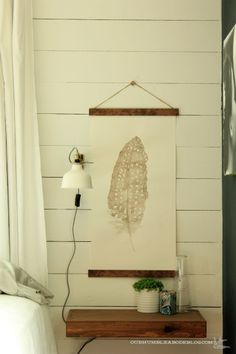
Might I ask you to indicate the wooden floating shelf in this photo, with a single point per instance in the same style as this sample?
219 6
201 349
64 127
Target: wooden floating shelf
131 273
131 323
133 111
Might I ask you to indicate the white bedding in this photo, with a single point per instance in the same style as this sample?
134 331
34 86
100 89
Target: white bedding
25 327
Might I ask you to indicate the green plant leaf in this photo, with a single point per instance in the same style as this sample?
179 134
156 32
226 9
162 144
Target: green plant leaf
148 284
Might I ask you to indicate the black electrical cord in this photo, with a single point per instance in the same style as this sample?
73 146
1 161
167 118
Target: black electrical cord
68 266
70 154
77 204
84 345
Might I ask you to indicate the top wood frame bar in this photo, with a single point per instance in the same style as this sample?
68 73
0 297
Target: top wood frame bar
133 111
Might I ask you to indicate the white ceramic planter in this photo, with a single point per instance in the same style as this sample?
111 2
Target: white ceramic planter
148 301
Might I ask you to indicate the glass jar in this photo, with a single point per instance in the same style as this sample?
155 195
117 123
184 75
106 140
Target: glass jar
181 285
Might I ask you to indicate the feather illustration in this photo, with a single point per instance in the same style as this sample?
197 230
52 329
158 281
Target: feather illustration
128 189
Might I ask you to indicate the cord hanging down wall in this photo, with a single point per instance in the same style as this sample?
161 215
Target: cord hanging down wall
98 111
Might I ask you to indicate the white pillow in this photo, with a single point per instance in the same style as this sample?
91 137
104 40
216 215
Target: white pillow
15 281
8 283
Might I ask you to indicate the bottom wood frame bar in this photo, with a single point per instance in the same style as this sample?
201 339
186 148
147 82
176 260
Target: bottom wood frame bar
131 273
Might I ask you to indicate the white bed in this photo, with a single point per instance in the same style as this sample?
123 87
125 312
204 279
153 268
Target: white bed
25 327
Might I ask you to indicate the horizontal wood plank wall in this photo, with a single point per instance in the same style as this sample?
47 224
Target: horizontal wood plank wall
209 10
85 51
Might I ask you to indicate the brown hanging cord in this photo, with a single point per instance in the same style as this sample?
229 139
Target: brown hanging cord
133 83
152 94
170 111
115 94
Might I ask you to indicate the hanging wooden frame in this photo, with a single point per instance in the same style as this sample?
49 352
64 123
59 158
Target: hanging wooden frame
105 111
97 111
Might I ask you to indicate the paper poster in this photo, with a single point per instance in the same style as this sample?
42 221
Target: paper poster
133 217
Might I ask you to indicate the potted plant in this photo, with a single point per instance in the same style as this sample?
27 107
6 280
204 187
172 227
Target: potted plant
148 294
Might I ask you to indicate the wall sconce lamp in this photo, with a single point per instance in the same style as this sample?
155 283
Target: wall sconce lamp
76 177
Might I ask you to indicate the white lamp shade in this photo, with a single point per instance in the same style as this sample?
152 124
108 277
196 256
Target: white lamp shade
76 178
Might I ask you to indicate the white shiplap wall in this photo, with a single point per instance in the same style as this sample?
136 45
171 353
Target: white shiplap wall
84 51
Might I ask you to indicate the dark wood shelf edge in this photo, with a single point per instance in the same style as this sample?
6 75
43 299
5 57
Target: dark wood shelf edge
113 273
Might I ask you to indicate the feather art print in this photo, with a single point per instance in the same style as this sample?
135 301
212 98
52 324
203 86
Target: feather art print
128 189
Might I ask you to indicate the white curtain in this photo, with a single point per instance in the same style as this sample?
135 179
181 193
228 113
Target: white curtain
22 226
229 103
